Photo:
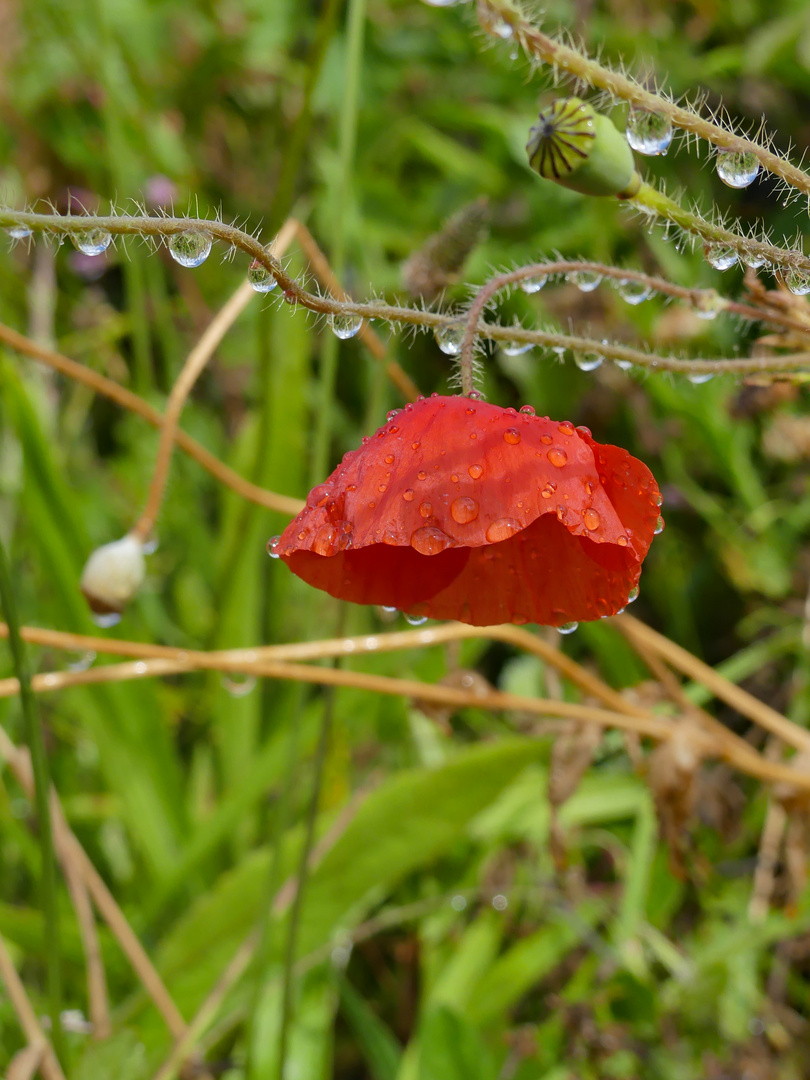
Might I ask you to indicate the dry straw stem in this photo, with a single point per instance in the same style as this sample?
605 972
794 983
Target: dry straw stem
69 848
293 293
569 60
745 704
51 1069
271 662
127 400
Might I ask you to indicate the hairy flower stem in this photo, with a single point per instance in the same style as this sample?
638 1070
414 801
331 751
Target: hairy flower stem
563 58
293 293
649 199
42 791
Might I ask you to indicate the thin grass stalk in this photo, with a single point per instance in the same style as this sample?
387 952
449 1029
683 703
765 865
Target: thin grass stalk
42 786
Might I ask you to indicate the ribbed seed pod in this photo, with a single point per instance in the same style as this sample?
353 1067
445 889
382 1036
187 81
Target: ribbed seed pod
577 147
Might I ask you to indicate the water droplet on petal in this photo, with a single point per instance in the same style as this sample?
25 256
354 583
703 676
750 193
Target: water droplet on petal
720 256
239 685
566 428
511 436
591 519
464 510
588 361
647 132
502 529
260 278
19 232
585 280
567 628
557 456
415 620
633 292
426 509
738 169
475 471
798 282
622 541
659 526
345 326
430 541
190 248
449 339
533 284
633 594
548 490
92 241
325 540
659 499
272 544
527 410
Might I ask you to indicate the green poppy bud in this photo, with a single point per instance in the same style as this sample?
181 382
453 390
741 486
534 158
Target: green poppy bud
579 148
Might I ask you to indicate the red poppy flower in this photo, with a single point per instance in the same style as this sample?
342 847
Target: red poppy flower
457 509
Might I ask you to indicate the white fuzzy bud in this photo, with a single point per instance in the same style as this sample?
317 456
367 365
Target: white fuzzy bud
113 574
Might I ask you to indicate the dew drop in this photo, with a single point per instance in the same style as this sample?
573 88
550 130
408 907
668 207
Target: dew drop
425 509
648 132
633 594
345 326
625 365
449 339
389 610
798 282
567 628
421 475
272 544
80 661
633 292
475 471
516 348
562 513
475 395
546 439
527 410
392 413
415 620
703 377
622 541
708 305
325 540
106 619
720 256
533 284
430 541
588 361
92 241
19 232
548 490
557 456
260 278
190 248
566 428
464 510
591 519
752 260
659 499
502 529
511 436
442 3
407 494
239 685
738 169
389 459
659 526
585 280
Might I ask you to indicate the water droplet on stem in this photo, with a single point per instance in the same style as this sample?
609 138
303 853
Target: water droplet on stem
647 132
190 248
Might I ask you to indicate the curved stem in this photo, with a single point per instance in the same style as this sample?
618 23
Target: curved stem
564 58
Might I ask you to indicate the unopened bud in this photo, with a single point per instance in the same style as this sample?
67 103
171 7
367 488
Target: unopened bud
112 575
440 259
576 146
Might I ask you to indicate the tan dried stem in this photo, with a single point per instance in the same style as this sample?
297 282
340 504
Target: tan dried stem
745 704
99 384
68 847
51 1069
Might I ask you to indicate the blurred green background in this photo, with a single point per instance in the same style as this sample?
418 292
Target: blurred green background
617 967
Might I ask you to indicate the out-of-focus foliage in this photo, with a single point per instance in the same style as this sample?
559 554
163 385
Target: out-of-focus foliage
490 959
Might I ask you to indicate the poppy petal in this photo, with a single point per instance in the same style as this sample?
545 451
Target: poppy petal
460 509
